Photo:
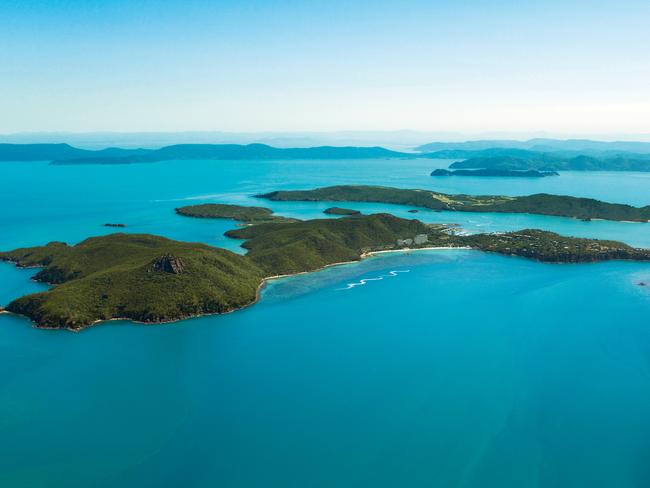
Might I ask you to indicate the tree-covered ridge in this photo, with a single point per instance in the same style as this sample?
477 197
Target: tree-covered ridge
286 248
241 213
139 277
543 204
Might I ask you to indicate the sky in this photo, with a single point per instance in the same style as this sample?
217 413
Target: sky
249 65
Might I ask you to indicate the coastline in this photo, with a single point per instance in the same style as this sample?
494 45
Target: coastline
416 249
258 296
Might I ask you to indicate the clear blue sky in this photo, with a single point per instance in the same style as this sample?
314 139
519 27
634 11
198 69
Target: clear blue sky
129 65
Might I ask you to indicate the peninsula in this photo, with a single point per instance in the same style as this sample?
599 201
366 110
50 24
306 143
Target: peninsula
542 203
152 279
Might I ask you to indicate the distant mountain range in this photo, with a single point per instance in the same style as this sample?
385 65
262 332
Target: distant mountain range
66 154
582 146
498 158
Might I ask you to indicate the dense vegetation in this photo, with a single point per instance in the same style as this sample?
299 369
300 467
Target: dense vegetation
340 211
139 277
531 173
286 248
152 279
543 204
224 211
552 247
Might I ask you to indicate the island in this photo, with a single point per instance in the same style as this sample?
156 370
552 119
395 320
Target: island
542 203
555 162
153 279
340 211
138 277
543 155
64 154
563 146
220 152
115 225
289 248
240 213
531 173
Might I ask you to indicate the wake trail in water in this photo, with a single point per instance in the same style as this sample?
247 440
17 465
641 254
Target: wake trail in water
378 278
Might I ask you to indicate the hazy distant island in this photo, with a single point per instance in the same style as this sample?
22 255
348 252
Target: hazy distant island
64 154
546 145
340 211
152 279
543 154
542 204
114 225
542 157
531 173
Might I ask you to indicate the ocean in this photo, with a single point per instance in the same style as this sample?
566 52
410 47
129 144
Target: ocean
449 368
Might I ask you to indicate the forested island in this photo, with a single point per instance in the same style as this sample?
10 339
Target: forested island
542 203
525 160
340 211
531 173
152 279
138 277
241 213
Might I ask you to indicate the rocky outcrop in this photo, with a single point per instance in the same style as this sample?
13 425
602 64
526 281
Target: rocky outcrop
168 263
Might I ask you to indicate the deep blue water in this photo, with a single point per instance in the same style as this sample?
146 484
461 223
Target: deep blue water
464 369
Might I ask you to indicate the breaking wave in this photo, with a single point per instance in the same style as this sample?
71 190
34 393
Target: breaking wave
378 278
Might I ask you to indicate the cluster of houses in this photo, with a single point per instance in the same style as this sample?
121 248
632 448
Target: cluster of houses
418 240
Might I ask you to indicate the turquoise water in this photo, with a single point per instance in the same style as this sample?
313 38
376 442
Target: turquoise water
459 369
